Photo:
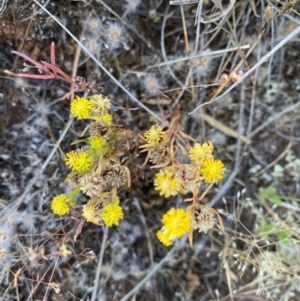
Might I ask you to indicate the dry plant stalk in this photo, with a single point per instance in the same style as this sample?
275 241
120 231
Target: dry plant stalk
51 72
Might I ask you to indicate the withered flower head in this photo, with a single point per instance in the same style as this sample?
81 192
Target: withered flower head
92 211
97 129
117 176
159 155
203 217
190 178
92 184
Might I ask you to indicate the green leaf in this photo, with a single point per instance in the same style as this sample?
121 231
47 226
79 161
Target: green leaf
291 198
270 193
264 226
283 237
157 18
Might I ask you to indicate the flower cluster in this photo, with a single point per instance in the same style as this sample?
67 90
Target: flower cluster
183 178
98 171
96 168
212 170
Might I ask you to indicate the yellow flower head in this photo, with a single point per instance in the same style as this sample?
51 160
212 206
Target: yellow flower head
81 108
70 159
201 153
111 214
78 161
212 170
154 135
97 142
64 252
100 104
163 237
176 224
107 118
60 205
91 212
167 183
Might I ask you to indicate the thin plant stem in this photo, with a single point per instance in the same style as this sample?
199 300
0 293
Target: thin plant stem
99 64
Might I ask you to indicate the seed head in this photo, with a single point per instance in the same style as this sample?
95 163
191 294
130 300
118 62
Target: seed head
151 85
203 217
132 5
202 66
92 184
114 35
93 27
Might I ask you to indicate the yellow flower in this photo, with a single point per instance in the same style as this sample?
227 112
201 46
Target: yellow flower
111 214
167 183
154 135
201 153
81 108
212 170
64 252
100 104
78 161
70 159
107 118
60 205
176 224
163 238
91 212
97 142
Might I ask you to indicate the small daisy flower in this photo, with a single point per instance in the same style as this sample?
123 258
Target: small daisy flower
91 212
100 104
154 135
163 237
107 118
81 108
70 159
176 224
97 142
167 183
111 214
201 153
79 161
212 170
60 205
